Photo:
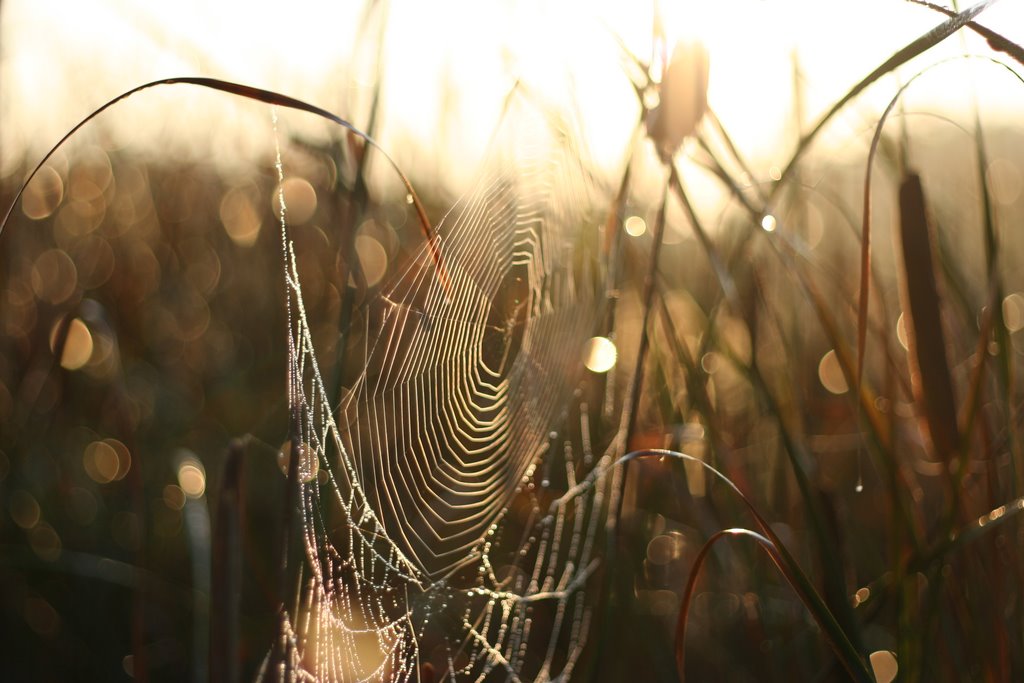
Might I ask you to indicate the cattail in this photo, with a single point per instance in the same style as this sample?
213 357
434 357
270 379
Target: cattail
684 98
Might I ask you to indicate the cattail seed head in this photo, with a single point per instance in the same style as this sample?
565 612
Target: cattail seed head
683 98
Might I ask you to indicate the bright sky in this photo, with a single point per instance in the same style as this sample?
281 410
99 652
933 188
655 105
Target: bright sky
62 59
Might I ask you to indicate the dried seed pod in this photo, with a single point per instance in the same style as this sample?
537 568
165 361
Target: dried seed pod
683 98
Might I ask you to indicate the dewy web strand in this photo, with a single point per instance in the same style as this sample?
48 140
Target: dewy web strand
453 436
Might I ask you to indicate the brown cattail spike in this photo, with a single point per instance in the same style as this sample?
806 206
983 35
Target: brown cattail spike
930 376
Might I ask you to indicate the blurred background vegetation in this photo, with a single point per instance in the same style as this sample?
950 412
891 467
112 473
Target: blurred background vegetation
142 313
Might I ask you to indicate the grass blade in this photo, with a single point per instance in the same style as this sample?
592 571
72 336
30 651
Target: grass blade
259 95
996 41
650 284
847 654
858 673
902 56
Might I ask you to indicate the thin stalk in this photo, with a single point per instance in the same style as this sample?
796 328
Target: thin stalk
650 283
226 588
356 210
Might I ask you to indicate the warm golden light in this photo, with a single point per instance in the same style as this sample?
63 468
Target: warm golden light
901 332
101 462
78 345
192 478
44 194
635 226
373 259
56 74
600 354
458 468
1013 311
884 666
831 374
239 216
299 200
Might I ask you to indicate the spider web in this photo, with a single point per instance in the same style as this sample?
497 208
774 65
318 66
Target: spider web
456 533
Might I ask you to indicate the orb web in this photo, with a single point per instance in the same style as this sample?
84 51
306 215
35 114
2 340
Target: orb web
456 533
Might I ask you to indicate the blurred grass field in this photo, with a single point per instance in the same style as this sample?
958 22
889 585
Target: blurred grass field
870 416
